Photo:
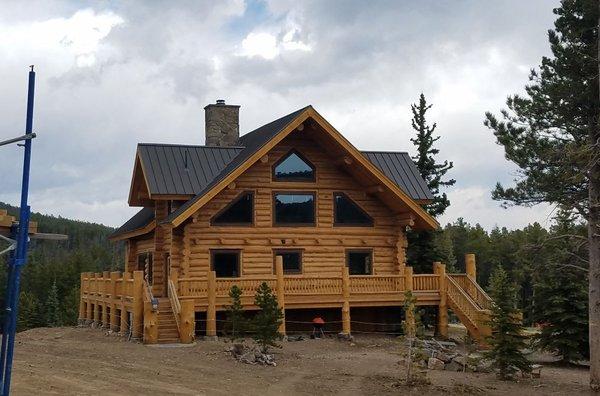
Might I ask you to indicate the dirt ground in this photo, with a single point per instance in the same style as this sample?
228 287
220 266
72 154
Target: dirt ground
83 361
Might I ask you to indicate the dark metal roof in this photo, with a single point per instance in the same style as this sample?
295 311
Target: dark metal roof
165 166
400 168
139 220
165 170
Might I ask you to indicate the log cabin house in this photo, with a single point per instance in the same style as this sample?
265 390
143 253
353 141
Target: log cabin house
292 203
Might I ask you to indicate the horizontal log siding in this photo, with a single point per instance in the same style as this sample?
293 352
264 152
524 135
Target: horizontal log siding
324 245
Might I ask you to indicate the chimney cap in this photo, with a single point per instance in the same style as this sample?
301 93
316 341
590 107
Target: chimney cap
220 101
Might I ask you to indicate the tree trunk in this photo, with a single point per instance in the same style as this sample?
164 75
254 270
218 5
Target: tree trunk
594 246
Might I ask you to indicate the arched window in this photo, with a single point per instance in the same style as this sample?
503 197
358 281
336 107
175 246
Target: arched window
293 167
238 212
347 212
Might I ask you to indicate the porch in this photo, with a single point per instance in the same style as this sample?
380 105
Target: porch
123 302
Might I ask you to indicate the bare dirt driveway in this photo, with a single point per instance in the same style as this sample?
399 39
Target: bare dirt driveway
82 361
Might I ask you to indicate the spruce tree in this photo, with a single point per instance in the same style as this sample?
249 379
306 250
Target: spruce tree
53 317
560 295
267 320
423 246
507 340
432 171
235 326
552 134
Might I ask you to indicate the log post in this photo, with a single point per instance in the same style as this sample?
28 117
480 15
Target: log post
442 319
114 276
410 318
82 307
138 304
211 310
470 266
346 304
150 324
105 292
88 305
187 322
124 319
280 291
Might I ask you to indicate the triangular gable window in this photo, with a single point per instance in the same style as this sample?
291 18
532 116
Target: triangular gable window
347 212
293 167
238 212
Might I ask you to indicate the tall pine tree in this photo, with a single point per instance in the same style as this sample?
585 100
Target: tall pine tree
560 294
552 134
507 340
423 247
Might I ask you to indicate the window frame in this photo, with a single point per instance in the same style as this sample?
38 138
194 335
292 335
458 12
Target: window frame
238 252
336 224
371 253
229 205
295 192
279 251
294 179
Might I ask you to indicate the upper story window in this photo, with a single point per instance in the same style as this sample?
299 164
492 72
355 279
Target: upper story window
238 212
294 208
294 167
292 260
347 212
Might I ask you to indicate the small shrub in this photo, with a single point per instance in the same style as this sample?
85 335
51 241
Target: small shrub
236 325
267 320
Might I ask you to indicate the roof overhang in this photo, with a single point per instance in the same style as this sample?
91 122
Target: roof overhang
390 193
134 233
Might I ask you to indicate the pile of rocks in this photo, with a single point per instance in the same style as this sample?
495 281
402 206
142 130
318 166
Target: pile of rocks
250 355
440 355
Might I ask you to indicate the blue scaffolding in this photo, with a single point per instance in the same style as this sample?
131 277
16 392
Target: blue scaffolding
18 249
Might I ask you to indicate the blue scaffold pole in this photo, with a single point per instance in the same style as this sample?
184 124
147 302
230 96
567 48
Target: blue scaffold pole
18 258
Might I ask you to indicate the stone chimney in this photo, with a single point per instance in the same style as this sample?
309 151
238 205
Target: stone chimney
222 124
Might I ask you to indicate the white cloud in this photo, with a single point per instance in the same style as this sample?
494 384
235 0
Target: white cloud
260 44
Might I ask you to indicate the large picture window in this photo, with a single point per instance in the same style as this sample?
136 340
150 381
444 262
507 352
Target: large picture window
359 262
292 260
225 263
293 167
238 212
347 212
294 208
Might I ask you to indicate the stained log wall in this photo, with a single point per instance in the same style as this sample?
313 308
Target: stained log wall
324 245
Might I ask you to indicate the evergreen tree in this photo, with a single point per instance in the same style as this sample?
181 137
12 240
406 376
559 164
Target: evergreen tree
560 297
423 246
53 315
30 315
430 170
552 134
235 326
507 340
267 320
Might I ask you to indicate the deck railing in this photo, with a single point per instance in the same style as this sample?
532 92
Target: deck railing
473 290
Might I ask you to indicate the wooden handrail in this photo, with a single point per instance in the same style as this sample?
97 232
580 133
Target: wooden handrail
175 304
474 290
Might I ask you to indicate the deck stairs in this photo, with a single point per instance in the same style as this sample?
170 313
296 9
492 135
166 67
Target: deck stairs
167 326
471 304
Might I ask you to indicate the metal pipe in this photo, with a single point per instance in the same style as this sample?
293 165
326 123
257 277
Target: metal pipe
18 139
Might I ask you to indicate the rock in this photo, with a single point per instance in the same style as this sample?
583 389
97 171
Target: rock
435 364
345 337
460 360
484 366
453 366
248 357
237 350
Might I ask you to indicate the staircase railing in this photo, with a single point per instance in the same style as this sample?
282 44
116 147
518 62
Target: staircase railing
150 316
477 316
175 304
474 290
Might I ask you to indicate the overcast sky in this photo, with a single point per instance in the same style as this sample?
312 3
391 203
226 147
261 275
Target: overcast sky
112 74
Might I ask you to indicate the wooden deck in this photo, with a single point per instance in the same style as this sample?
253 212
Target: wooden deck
123 301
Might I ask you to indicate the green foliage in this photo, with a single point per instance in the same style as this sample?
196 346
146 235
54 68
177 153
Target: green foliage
546 132
53 269
236 324
425 247
560 303
431 171
267 320
507 340
412 324
53 309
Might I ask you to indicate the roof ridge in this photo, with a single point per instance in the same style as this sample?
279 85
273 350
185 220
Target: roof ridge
190 145
384 151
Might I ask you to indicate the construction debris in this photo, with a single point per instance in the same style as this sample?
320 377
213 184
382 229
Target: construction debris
250 355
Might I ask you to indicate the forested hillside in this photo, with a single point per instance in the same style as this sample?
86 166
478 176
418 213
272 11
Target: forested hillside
50 281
